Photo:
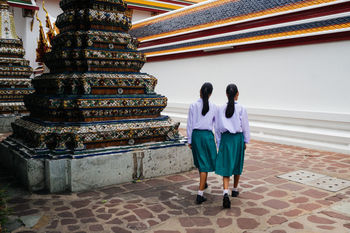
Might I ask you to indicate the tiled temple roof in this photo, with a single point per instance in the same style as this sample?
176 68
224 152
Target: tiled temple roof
160 6
213 25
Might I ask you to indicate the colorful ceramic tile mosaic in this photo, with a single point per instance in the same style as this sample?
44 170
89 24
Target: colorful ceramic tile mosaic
94 95
14 69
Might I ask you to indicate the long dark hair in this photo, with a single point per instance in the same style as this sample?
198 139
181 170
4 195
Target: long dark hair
231 91
206 90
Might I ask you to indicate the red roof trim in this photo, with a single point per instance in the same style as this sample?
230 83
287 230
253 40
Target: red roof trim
23 6
317 12
340 36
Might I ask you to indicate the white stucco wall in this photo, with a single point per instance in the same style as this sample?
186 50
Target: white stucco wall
296 95
138 15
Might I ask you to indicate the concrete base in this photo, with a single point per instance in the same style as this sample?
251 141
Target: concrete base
96 168
5 123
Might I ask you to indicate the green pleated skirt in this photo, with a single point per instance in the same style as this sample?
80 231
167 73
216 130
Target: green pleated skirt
204 150
230 157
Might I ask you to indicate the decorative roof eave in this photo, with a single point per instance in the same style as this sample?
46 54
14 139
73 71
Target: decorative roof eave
330 26
275 43
272 12
246 24
315 22
23 4
156 5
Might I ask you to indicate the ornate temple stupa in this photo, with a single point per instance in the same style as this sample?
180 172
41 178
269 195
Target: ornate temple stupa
14 71
94 105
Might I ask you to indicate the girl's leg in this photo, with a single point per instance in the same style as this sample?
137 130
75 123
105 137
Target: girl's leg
226 181
226 201
236 180
235 192
202 180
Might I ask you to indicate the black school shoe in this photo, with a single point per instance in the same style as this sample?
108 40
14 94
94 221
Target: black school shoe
226 203
235 193
200 199
206 186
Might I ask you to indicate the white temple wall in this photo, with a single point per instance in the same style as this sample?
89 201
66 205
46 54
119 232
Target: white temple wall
138 15
294 95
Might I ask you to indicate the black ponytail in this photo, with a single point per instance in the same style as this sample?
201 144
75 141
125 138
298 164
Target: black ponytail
231 91
206 90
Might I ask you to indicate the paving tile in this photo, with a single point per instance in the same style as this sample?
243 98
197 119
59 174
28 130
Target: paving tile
96 227
83 213
259 190
335 215
276 204
323 227
290 187
67 221
120 230
165 231
139 226
80 203
195 221
296 225
88 220
257 211
276 220
277 193
299 200
152 223
73 227
320 220
234 211
163 217
247 223
212 211
309 206
250 195
115 221
293 213
224 222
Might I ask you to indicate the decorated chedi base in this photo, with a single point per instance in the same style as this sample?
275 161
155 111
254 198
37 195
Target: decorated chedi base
14 71
94 119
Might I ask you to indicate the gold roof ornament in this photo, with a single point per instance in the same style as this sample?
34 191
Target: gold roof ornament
3 4
43 43
53 30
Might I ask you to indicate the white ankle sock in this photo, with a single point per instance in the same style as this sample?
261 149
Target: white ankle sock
200 193
225 191
235 189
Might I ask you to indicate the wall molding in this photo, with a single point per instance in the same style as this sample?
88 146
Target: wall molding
316 130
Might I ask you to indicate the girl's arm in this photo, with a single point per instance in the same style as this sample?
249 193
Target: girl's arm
216 126
189 126
245 126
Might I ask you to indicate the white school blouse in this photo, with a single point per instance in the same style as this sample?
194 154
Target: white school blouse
196 120
238 123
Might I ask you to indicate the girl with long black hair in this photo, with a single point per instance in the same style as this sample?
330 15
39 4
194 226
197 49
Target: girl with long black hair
232 134
200 123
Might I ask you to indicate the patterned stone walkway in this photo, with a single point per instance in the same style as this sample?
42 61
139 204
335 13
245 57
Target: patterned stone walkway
166 204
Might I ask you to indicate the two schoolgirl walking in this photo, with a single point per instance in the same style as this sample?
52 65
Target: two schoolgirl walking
231 132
